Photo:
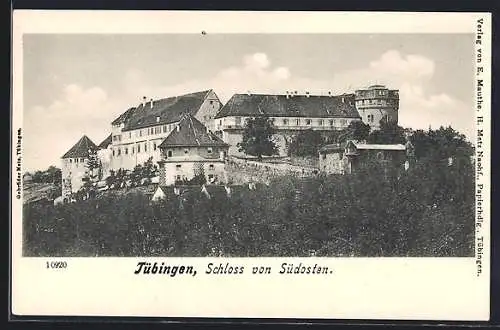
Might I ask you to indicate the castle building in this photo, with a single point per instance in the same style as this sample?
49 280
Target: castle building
191 150
137 133
74 170
376 103
290 113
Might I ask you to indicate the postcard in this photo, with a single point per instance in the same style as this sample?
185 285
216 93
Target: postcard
302 165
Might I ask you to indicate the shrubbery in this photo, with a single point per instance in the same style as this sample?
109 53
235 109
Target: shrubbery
426 211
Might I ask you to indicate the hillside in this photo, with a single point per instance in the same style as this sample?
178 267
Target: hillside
33 192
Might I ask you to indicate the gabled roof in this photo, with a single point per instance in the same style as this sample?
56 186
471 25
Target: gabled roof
81 148
105 143
190 132
214 191
163 111
316 106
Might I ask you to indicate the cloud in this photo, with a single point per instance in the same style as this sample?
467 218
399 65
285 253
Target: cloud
409 67
51 130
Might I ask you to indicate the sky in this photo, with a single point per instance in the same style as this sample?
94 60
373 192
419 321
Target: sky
77 84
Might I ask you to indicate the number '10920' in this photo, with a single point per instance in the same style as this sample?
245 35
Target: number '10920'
56 264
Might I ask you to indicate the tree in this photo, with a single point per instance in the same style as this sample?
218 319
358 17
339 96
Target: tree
357 130
257 138
440 144
389 133
93 165
306 143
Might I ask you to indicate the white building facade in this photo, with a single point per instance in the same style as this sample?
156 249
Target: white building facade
137 133
192 150
74 169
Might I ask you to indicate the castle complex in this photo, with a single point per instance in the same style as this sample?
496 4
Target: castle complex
202 128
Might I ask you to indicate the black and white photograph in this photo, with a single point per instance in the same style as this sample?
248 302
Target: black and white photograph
248 145
302 146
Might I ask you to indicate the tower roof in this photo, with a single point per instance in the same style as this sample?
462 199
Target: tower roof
81 148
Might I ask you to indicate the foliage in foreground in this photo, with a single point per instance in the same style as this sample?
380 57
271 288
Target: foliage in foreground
428 211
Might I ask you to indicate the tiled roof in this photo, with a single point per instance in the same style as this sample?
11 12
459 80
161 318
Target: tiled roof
105 143
293 106
190 132
215 191
123 117
81 148
163 111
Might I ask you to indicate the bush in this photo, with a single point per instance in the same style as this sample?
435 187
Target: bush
426 211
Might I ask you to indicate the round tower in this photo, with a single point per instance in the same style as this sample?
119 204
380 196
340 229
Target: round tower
376 103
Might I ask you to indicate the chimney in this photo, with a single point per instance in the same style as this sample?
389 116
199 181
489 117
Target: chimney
343 99
287 95
151 102
330 93
248 93
144 101
157 119
296 93
307 94
178 128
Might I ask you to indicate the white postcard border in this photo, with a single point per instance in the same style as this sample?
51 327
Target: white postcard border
358 288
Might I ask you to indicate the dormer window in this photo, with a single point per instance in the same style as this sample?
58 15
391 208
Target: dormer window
209 150
186 151
169 153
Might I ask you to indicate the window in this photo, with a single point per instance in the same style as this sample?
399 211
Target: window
211 167
113 152
126 151
285 121
209 150
331 122
237 120
297 122
140 132
71 160
211 102
81 160
145 146
320 122
164 128
169 153
178 167
133 150
308 121
186 151
154 146
138 148
178 177
119 151
210 177
129 135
